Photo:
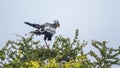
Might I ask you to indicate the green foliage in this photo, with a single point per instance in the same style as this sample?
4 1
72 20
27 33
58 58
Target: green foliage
108 56
66 49
24 52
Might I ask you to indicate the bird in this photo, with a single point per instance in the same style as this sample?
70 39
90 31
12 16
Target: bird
47 29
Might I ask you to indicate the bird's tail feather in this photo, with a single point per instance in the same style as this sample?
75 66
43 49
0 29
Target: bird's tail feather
34 25
28 23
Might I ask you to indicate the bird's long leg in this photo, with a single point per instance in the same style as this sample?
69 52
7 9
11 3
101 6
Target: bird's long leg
46 44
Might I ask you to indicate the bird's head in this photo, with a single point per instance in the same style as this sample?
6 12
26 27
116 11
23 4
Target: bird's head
56 23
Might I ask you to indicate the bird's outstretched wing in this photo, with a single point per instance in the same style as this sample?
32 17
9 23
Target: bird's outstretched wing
37 32
34 25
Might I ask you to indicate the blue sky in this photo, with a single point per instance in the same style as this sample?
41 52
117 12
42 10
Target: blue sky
95 19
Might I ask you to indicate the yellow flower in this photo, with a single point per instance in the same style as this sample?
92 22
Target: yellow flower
35 64
52 60
84 57
79 58
32 64
91 66
26 63
67 65
76 65
51 64
71 61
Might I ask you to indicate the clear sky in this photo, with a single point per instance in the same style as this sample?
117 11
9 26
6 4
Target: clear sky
95 19
98 20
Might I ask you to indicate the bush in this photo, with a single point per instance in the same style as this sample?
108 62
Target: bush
27 53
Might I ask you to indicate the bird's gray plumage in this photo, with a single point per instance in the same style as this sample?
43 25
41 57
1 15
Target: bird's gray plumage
47 29
34 25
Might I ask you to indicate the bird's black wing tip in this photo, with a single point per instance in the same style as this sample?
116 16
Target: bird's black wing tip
26 22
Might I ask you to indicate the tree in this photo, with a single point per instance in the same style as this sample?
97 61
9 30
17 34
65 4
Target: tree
108 56
24 52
